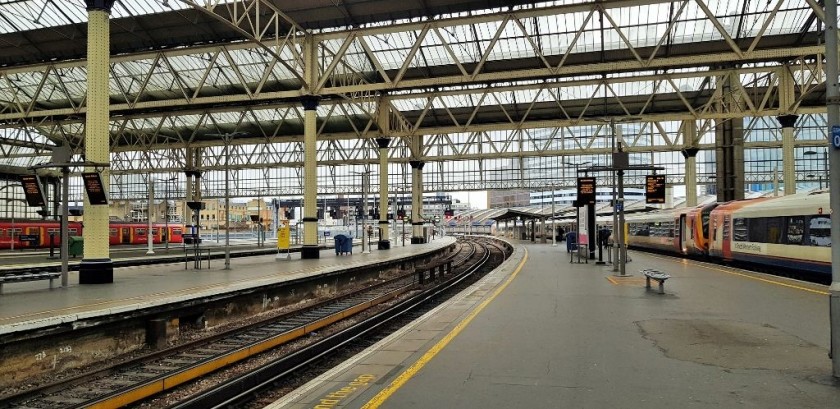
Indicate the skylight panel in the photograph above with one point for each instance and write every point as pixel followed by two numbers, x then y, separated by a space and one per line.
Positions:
pixel 27 15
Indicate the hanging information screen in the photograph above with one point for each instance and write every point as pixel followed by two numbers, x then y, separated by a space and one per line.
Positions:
pixel 32 191
pixel 585 190
pixel 655 189
pixel 95 190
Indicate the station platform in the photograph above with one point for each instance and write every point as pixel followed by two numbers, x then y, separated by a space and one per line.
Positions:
pixel 543 332
pixel 33 305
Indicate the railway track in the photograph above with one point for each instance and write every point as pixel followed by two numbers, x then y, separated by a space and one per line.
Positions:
pixel 143 377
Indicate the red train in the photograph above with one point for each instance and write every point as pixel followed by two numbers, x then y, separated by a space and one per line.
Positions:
pixel 36 233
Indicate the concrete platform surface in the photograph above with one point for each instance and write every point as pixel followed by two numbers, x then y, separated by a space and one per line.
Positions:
pixel 559 335
pixel 33 304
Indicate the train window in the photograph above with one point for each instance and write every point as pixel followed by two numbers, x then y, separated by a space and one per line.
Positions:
pixel 757 230
pixel 72 232
pixel 141 232
pixel 819 231
pixel 176 230
pixel 154 231
pixel 740 230
pixel 774 230
pixel 795 229
pixel 112 232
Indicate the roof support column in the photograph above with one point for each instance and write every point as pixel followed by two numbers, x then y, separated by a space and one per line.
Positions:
pixel 788 159
pixel 729 146
pixel 689 152
pixel 417 202
pixel 96 266
pixel 787 120
pixel 310 248
pixel 384 232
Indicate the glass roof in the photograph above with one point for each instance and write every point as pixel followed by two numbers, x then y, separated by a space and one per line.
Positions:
pixel 535 36
pixel 23 15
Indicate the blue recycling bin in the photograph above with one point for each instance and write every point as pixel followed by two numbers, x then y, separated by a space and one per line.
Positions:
pixel 571 241
pixel 339 243
pixel 347 246
pixel 343 244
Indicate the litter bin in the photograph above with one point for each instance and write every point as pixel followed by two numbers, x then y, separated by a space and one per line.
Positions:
pixel 571 241
pixel 339 243
pixel 75 246
pixel 343 244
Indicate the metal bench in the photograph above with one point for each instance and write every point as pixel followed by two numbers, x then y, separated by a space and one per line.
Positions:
pixel 31 276
pixel 658 276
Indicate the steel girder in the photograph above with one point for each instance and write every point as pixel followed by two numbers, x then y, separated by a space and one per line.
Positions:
pixel 252 87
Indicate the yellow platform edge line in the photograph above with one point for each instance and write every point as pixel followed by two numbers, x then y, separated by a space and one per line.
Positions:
pixel 397 383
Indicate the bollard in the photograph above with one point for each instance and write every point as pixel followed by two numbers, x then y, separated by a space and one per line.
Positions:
pixel 52 245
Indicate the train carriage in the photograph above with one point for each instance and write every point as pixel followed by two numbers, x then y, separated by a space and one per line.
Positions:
pixel 659 230
pixel 36 233
pixel 791 232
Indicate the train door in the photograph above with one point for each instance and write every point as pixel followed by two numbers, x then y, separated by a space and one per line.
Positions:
pixel 683 237
pixel 125 235
pixel 715 238
pixel 35 238
pixel 726 238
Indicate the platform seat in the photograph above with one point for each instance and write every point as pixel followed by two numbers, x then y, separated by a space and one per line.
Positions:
pixel 6 278
pixel 658 276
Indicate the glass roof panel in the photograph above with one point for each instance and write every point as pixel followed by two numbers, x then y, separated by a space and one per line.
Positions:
pixel 23 15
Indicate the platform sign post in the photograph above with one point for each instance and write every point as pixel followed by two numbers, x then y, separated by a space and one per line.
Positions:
pixel 283 239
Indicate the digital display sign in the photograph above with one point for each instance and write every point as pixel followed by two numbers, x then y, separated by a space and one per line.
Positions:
pixel 655 189
pixel 585 190
pixel 32 191
pixel 95 191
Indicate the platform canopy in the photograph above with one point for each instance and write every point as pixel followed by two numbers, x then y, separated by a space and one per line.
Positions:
pixel 493 89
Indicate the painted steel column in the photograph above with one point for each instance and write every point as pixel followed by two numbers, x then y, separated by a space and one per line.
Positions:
pixel 788 158
pixel 384 243
pixel 417 202
pixel 689 152
pixel 729 145
pixel 310 248
pixel 96 266
pixel 832 99
pixel 150 240
pixel 787 120
pixel 188 187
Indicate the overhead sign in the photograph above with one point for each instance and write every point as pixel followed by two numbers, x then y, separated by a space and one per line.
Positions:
pixel 655 189
pixel 586 190
pixel 94 188
pixel 32 191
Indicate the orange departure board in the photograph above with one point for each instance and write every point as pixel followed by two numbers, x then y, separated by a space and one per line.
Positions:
pixel 655 189
pixel 586 190
pixel 32 191
pixel 95 190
